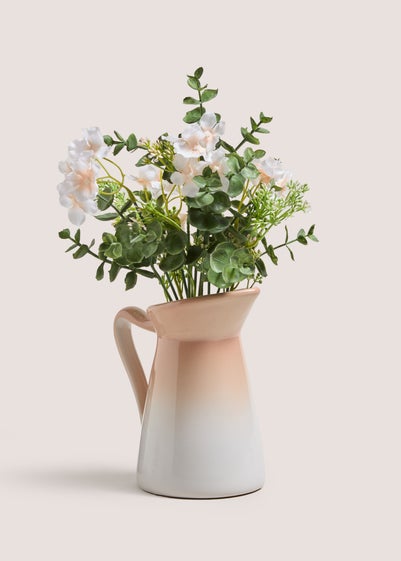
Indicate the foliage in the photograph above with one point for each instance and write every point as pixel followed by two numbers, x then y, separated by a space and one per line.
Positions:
pixel 189 230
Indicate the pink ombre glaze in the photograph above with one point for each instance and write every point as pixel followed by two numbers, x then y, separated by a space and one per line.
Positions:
pixel 199 436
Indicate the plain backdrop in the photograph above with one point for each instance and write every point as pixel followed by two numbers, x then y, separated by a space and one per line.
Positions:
pixel 322 342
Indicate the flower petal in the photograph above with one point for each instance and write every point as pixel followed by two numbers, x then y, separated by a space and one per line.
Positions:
pixel 76 215
pixel 208 121
pixel 177 178
pixel 190 189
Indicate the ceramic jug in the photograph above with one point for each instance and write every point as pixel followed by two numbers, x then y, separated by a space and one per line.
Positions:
pixel 199 436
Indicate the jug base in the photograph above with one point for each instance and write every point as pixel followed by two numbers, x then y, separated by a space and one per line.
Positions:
pixel 204 497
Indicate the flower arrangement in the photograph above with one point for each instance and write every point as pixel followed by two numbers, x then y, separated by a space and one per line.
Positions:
pixel 194 214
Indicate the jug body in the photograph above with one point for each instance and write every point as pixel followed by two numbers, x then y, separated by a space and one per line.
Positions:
pixel 199 436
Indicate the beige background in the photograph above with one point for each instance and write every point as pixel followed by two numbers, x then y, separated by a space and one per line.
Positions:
pixel 322 345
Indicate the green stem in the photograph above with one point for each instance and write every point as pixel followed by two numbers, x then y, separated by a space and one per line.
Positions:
pixel 184 283
pixel 159 278
pixel 244 139
pixel 172 287
pixel 283 244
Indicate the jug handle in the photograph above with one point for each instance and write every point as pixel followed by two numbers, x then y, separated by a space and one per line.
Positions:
pixel 125 345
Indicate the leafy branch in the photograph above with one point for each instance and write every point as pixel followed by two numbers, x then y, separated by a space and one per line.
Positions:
pixel 204 95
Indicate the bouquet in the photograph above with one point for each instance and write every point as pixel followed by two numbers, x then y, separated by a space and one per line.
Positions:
pixel 194 212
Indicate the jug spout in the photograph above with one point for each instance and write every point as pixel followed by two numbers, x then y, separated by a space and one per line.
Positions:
pixel 210 318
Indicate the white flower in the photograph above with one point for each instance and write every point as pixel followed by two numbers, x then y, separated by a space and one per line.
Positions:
pixel 187 169
pixel 190 142
pixel 77 208
pixel 217 162
pixel 147 177
pixel 199 138
pixel 212 130
pixel 271 171
pixel 81 180
pixel 91 145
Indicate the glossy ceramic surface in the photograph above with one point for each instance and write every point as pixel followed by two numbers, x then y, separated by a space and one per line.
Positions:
pixel 199 435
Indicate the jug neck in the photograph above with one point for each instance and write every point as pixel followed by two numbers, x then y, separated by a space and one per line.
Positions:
pixel 206 318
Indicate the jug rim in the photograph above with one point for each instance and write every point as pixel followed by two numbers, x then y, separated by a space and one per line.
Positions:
pixel 242 291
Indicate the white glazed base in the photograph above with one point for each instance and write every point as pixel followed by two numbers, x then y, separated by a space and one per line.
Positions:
pixel 202 497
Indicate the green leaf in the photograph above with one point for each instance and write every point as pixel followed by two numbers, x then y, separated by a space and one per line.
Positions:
pixel 114 251
pixel 221 255
pixel 250 171
pixel 100 272
pixel 291 253
pixel 236 185
pixel 205 199
pixel 193 254
pixel 118 147
pixel 261 267
pixel 254 124
pixel 264 119
pixel 233 163
pixel 193 83
pixel 126 206
pixel 135 253
pixel 302 240
pixel 198 72
pixel 172 262
pixel 252 139
pixel 104 201
pixel 130 280
pixel 248 155
pixel 113 271
pixel 286 234
pixel 249 137
pixel 227 146
pixel 146 273
pixel 190 101
pixel 142 161
pixel 261 130
pixel 108 238
pixel 271 254
pixel 221 202
pixel 132 142
pixel 194 115
pixel 176 242
pixel 150 248
pixel 108 140
pixel 73 246
pixel 155 227
pixel 106 216
pixel 207 221
pixel 81 251
pixel 150 237
pixel 77 236
pixel 200 180
pixel 207 95
pixel 214 182
pixel 258 154
pixel 231 274
pixel 311 234
pixel 216 279
pixel 64 234
pixel 118 135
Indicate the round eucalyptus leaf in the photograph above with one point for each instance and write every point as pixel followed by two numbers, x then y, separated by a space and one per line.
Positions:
pixel 221 202
pixel 175 242
pixel 172 262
